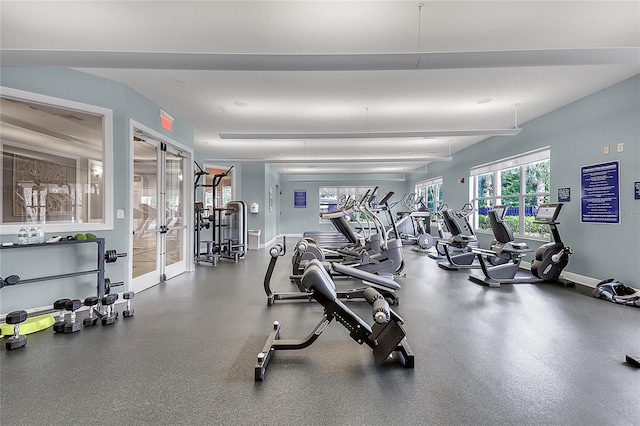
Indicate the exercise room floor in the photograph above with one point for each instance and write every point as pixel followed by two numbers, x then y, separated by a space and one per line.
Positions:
pixel 518 355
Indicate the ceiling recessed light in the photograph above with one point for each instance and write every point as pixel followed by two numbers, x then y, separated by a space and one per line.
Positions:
pixel 240 104
pixel 484 101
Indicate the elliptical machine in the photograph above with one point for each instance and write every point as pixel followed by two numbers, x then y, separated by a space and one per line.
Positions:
pixel 501 264
pixel 383 258
pixel 414 225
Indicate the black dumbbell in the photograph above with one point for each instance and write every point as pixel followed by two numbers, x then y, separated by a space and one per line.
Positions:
pixel 17 340
pixel 108 285
pixel 91 319
pixel 60 305
pixel 128 312
pixel 110 256
pixel 72 306
pixel 10 280
pixel 110 316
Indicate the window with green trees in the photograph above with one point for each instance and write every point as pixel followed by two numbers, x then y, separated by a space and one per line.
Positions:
pixel 334 197
pixel 521 183
pixel 431 191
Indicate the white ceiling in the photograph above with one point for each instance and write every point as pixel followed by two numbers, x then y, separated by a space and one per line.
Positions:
pixel 336 67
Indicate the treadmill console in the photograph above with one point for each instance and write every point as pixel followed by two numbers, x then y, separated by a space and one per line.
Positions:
pixel 500 210
pixel 548 212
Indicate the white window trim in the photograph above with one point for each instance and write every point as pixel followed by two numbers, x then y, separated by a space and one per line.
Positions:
pixel 429 182
pixel 520 160
pixel 438 181
pixel 513 161
pixel 338 188
pixel 107 158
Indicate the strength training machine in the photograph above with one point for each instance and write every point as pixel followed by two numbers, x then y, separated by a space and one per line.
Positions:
pixel 228 225
pixel 386 337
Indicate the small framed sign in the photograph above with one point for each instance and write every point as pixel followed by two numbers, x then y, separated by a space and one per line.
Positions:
pixel 300 198
pixel 564 195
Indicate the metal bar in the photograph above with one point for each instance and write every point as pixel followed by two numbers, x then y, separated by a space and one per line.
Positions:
pixel 53 277
pixel 303 343
pixel 100 278
pixel 407 353
pixel 265 356
pixel 100 270
pixel 59 243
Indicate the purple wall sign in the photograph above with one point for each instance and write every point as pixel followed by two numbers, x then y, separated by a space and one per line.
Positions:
pixel 564 195
pixel 600 193
pixel 300 198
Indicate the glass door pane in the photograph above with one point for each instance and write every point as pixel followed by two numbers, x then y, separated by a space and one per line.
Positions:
pixel 174 208
pixel 145 208
pixel 159 227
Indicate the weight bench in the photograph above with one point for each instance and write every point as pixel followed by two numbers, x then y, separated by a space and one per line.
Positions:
pixel 385 285
pixel 386 337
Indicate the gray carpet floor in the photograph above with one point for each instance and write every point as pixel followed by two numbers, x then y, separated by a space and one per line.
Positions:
pixel 518 355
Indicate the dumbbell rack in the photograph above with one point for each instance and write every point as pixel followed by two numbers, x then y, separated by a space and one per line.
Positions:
pixel 100 271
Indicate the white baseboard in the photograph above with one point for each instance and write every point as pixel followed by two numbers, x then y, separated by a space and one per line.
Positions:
pixel 291 235
pixel 276 239
pixel 570 276
pixel 269 243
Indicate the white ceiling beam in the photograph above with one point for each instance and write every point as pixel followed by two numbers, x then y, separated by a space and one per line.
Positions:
pixel 334 160
pixel 373 135
pixel 319 62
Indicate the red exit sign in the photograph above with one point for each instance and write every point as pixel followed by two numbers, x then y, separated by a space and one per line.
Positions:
pixel 166 121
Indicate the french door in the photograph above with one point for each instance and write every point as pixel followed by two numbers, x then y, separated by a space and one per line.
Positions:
pixel 160 243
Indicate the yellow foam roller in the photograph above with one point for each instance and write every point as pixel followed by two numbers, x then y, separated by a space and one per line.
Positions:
pixel 31 325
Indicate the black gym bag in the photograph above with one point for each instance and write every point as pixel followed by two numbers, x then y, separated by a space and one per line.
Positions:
pixel 616 292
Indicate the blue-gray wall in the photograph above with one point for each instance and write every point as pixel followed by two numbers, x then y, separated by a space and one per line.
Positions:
pixel 126 104
pixel 272 203
pixel 298 220
pixel 577 134
pixel 259 183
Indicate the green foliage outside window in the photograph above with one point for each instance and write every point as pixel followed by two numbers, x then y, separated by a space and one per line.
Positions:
pixel 510 180
pixel 523 188
pixel 537 177
pixel 533 229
